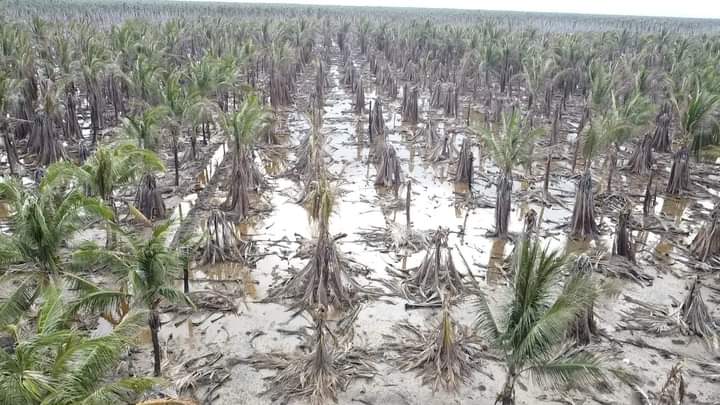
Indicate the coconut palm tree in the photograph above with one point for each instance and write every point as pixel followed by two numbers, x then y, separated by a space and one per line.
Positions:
pixel 508 146
pixel 54 363
pixel 44 141
pixel 111 167
pixel 530 333
pixel 145 127
pixel 92 69
pixel 243 126
pixel 144 78
pixel 8 86
pixel 174 100
pixel 42 220
pixel 148 267
pixel 698 121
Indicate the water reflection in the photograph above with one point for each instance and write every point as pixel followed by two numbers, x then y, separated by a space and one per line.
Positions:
pixel 495 273
pixel 674 207
pixel 577 246
pixel 232 272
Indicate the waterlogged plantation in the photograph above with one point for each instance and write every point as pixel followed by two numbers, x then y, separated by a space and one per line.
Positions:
pixel 245 204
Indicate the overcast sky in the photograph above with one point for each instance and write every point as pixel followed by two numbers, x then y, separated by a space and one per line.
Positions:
pixel 667 8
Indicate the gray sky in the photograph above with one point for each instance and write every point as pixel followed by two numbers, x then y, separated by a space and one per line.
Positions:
pixel 667 8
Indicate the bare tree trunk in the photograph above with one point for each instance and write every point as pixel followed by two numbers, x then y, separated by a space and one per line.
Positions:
pixel 407 205
pixel 503 204
pixel 679 173
pixel 623 244
pixel 583 219
pixel 642 157
pixel 707 242
pixel 464 169
pixel 10 151
pixel 546 182
pixel 649 199
pixel 584 327
pixel 612 164
pixel 176 160
pixel 662 141
pixel 148 198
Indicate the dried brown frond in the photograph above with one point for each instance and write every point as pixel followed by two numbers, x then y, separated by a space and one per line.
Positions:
pixel 328 366
pixel 436 276
pixel 445 356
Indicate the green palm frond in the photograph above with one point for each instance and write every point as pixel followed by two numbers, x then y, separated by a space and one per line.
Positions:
pixel 59 174
pixel 550 329
pixel 19 302
pixel 570 368
pixel 486 323
pixel 511 143
pixel 51 316
pixel 174 296
pixel 539 314
pixel 102 301
pixel 119 391
pixel 9 252
pixel 244 124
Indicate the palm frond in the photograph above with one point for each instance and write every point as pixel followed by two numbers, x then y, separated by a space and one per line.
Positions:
pixel 570 368
pixel 19 302
pixel 485 322
pixel 102 301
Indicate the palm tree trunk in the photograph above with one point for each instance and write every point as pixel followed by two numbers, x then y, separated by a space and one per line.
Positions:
pixel 503 204
pixel 612 159
pixel 507 395
pixel 546 182
pixel 175 157
pixel 154 323
pixel 10 150
pixel 407 205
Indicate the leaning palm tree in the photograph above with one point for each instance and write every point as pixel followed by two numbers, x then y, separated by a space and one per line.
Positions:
pixel 148 267
pixel 531 332
pixel 508 146
pixel 55 363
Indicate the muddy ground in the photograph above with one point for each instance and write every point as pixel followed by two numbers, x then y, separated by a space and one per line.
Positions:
pixel 278 224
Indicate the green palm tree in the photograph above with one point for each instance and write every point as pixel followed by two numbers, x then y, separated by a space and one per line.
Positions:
pixel 531 331
pixel 199 113
pixel 144 77
pixel 244 124
pixel 8 87
pixel 145 127
pixel 508 146
pixel 698 121
pixel 92 69
pixel 175 102
pixel 42 221
pixel 54 363
pixel 110 167
pixel 148 268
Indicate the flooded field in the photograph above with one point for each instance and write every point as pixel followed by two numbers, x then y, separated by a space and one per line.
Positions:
pixel 307 209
